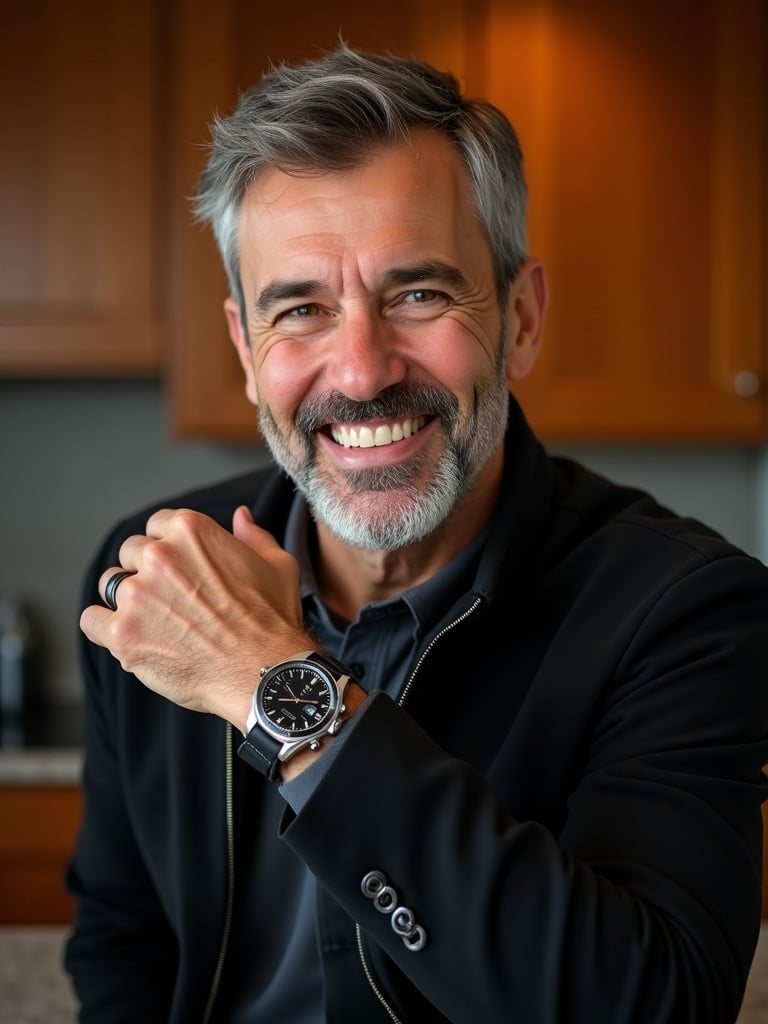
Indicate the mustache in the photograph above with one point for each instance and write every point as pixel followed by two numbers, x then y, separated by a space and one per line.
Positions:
pixel 395 402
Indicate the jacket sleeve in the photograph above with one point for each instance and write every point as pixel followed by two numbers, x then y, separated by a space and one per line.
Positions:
pixel 122 954
pixel 645 907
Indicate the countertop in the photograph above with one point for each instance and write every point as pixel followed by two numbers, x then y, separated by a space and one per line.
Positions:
pixel 33 986
pixel 34 989
pixel 40 766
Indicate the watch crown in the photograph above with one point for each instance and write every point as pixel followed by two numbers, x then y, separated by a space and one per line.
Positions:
pixel 314 745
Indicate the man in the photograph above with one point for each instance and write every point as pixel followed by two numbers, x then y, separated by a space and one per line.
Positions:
pixel 504 763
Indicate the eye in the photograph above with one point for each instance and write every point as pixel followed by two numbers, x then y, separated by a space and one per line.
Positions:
pixel 305 319
pixel 422 295
pixel 420 304
pixel 309 309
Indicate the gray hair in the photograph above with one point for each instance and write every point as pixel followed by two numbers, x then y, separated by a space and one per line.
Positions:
pixel 328 114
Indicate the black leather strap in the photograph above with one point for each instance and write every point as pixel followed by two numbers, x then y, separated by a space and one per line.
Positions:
pixel 260 751
pixel 329 664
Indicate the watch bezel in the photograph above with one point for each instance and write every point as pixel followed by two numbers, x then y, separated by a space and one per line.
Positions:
pixel 265 746
pixel 292 736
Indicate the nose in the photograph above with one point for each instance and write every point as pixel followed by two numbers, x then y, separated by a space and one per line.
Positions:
pixel 365 356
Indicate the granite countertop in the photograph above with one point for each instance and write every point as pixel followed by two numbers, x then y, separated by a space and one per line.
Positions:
pixel 33 986
pixel 34 989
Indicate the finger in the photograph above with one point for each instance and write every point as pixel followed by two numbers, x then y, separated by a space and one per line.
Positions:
pixel 131 551
pixel 111 574
pixel 94 622
pixel 159 522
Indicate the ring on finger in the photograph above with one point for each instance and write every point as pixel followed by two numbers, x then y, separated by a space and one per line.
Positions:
pixel 114 581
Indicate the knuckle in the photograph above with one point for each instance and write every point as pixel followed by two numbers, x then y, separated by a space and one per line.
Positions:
pixel 286 562
pixel 120 635
pixel 155 555
pixel 187 521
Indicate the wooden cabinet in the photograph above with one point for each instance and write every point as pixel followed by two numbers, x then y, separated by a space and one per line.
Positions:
pixel 644 127
pixel 83 101
pixel 218 55
pixel 38 825
pixel 646 133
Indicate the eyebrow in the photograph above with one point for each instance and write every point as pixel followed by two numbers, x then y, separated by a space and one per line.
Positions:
pixel 279 291
pixel 413 273
pixel 427 270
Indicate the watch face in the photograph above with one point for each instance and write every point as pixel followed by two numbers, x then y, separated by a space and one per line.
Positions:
pixel 296 700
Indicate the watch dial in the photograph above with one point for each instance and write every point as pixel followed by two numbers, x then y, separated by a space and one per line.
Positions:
pixel 297 700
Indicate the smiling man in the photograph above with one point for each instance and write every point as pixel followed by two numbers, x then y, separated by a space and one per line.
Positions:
pixel 489 708
pixel 376 347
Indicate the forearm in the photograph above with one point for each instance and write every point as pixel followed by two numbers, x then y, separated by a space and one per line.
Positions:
pixel 517 927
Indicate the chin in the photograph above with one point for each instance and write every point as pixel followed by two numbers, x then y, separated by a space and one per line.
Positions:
pixel 388 519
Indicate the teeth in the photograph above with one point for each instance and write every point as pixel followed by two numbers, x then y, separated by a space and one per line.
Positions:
pixel 384 434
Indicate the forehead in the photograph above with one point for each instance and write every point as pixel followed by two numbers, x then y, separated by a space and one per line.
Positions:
pixel 409 199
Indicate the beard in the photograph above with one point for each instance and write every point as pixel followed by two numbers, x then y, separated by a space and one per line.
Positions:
pixel 390 507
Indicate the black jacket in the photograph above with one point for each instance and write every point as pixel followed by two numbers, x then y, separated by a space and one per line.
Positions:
pixel 568 796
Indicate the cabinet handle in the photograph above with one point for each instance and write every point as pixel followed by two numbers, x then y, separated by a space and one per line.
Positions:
pixel 746 383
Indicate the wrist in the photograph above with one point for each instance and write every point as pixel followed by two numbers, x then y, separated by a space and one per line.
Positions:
pixel 354 696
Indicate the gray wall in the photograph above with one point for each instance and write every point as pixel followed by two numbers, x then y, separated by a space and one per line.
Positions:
pixel 74 456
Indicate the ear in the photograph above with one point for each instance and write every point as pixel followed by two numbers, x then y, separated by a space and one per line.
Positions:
pixel 242 344
pixel 528 298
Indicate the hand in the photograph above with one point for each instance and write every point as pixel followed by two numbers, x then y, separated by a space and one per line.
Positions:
pixel 205 610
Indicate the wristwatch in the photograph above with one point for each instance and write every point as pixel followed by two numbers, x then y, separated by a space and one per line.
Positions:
pixel 295 704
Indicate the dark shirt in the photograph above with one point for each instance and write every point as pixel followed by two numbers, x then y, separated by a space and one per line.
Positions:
pixel 379 648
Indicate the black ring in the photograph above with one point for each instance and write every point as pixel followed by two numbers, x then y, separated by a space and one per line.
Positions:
pixel 114 581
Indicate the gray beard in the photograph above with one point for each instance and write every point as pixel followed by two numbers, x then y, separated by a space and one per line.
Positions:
pixel 415 510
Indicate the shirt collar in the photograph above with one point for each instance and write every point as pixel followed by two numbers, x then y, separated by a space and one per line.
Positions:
pixel 427 602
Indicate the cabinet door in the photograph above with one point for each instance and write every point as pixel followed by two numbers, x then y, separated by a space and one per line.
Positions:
pixel 644 127
pixel 38 825
pixel 220 52
pixel 646 134
pixel 81 104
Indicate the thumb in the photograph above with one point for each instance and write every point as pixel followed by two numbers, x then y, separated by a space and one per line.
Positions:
pixel 249 533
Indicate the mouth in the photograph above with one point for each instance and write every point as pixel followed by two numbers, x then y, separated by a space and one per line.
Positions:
pixel 378 435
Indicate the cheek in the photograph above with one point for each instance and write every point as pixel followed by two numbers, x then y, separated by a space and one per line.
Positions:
pixel 285 378
pixel 458 358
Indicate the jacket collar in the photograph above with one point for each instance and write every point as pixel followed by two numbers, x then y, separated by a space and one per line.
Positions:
pixel 522 510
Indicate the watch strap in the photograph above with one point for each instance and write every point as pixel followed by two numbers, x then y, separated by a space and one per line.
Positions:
pixel 260 751
pixel 329 664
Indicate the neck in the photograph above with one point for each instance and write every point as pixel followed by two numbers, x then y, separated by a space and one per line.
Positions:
pixel 349 577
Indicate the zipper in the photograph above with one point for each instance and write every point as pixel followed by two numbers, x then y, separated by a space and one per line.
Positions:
pixel 230 833
pixel 430 646
pixel 370 978
pixel 367 969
